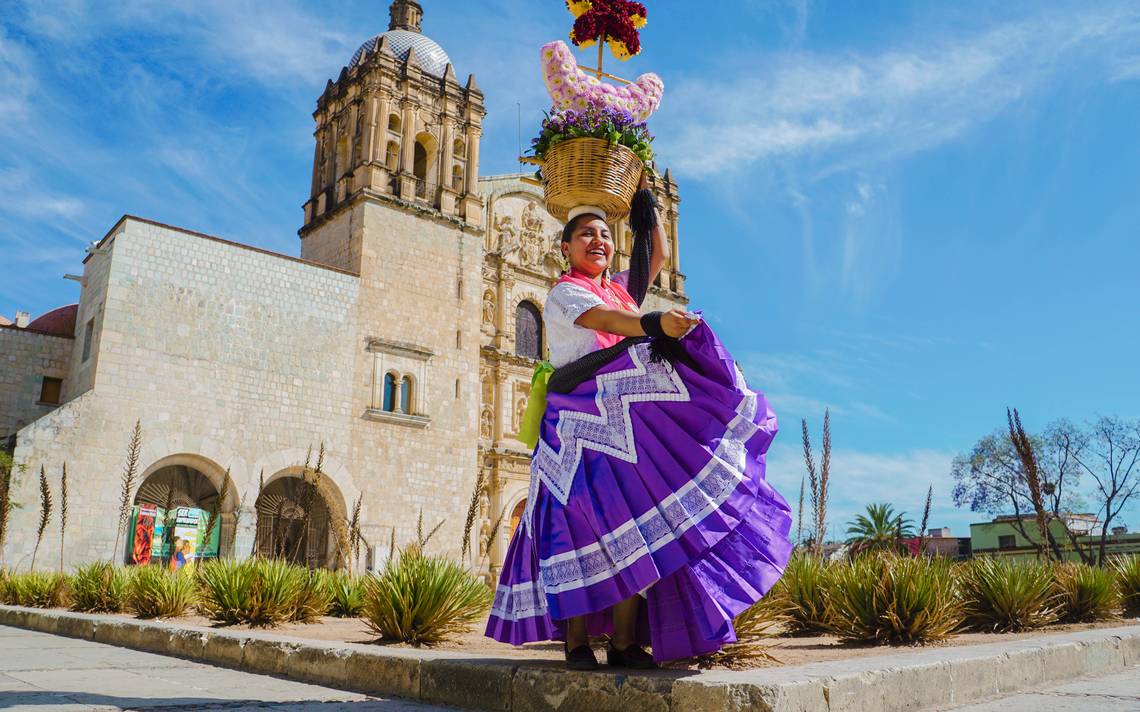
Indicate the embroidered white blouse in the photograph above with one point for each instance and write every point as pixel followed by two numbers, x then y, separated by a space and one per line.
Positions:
pixel 564 304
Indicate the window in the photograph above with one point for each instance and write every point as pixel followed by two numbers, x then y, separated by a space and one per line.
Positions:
pixel 389 392
pixel 88 336
pixel 50 389
pixel 1007 541
pixel 458 148
pixel 394 123
pixel 457 178
pixel 406 391
pixel 528 331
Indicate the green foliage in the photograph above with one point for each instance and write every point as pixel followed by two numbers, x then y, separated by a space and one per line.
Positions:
pixel 314 598
pixel 888 599
pixel 1127 569
pixel 803 593
pixel 99 587
pixel 1085 593
pixel 36 589
pixel 1002 595
pixel 154 592
pixel 347 594
pixel 258 592
pixel 612 125
pixel 881 529
pixel 422 600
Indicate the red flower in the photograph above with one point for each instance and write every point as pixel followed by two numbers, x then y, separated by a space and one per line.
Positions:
pixel 614 20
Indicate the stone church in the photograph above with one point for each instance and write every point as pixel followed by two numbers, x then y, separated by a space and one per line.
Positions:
pixel 402 339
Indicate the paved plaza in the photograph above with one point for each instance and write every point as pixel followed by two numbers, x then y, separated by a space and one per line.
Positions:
pixel 40 672
pixel 1119 692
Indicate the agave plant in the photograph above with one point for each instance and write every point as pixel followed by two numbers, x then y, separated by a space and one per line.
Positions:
pixel 1127 570
pixel 891 599
pixel 802 591
pixel 1002 595
pixel 100 587
pixel 257 592
pixel 1086 593
pixel 347 594
pixel 36 589
pixel 422 600
pixel 154 592
pixel 314 598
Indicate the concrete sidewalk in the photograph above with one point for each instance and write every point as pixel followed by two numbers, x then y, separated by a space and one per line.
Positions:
pixel 40 672
pixel 1119 692
pixel 915 679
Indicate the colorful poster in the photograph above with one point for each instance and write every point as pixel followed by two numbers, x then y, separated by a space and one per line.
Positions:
pixel 185 543
pixel 143 541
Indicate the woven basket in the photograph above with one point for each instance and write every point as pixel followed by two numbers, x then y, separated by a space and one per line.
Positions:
pixel 590 171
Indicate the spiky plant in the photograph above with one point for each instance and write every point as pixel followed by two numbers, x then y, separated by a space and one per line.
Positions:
pixel 127 487
pixel 1023 445
pixel 258 592
pixel 6 468
pixel 1000 595
pixel 154 592
pixel 216 512
pixel 818 482
pixel 800 514
pixel 100 587
pixel 493 532
pixel 1127 569
pixel 45 513
pixel 891 599
pixel 257 552
pixel 62 513
pixel 472 512
pixel 804 591
pixel 925 520
pixel 354 534
pixel 1086 593
pixel 313 599
pixel 347 594
pixel 423 600
pixel 37 589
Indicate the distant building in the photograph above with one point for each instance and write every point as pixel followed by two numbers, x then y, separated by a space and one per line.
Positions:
pixel 940 542
pixel 1001 537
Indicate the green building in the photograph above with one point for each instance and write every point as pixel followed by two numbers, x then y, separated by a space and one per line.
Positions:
pixel 1002 538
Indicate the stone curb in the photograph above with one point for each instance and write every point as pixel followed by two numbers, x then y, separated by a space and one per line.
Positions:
pixel 915 680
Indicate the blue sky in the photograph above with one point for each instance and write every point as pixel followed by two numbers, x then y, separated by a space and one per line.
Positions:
pixel 915 214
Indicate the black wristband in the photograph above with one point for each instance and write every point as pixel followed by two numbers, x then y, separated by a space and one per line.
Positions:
pixel 651 325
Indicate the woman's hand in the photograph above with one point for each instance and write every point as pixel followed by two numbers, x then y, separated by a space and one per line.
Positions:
pixel 677 322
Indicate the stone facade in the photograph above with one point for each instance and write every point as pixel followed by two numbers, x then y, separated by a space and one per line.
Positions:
pixel 403 339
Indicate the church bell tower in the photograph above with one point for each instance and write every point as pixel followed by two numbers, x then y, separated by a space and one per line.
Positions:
pixel 396 126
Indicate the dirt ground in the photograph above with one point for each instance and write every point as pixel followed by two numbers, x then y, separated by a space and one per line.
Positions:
pixel 786 651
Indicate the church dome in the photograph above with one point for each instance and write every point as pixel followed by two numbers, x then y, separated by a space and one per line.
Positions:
pixel 430 56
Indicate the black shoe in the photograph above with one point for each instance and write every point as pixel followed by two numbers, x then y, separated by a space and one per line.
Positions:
pixel 632 657
pixel 580 658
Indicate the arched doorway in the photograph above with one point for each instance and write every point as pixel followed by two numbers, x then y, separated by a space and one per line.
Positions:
pixel 516 517
pixel 170 523
pixel 297 521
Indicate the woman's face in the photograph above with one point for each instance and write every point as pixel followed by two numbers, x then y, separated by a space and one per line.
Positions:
pixel 590 247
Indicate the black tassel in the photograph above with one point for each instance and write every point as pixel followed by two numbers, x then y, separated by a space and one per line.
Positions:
pixel 663 350
pixel 642 220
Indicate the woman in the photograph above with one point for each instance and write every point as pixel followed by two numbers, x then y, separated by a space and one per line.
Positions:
pixel 647 480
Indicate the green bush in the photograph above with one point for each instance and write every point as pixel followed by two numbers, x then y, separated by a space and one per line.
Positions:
pixel 422 600
pixel 1085 593
pixel 99 587
pixel 1001 595
pixel 1127 569
pixel 154 592
pixel 36 589
pixel 347 594
pixel 257 592
pixel 803 592
pixel 313 599
pixel 891 599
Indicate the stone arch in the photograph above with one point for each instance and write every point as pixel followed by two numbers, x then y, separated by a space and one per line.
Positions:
pixel 291 460
pixel 299 523
pixel 425 158
pixel 528 330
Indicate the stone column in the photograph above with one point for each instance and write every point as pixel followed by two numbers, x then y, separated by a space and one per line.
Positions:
pixel 501 308
pixel 409 141
pixel 472 160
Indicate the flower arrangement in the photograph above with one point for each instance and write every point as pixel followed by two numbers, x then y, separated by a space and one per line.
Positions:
pixel 615 22
pixel 617 126
pixel 572 89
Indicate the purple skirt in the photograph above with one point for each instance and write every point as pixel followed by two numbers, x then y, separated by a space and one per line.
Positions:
pixel 648 478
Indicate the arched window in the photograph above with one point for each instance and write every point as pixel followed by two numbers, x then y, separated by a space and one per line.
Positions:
pixel 458 148
pixel 392 156
pixel 420 162
pixel 457 178
pixel 528 331
pixel 394 123
pixel 389 392
pixel 407 389
pixel 358 148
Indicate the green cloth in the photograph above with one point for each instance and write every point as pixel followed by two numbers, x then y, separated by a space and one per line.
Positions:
pixel 535 404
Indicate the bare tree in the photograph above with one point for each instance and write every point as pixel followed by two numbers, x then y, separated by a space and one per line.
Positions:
pixel 127 487
pixel 1110 456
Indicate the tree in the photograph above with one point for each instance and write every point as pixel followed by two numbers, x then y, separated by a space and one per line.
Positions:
pixel 1109 453
pixel 880 528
